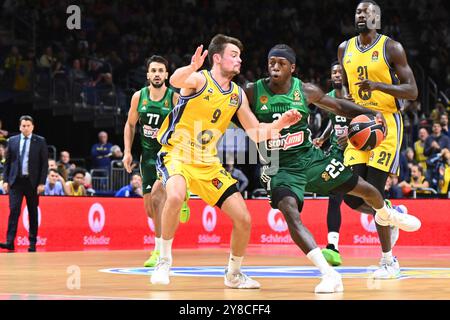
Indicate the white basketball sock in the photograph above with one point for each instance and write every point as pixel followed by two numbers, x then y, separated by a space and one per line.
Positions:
pixel 158 243
pixel 319 261
pixel 383 213
pixel 387 256
pixel 333 238
pixel 166 249
pixel 234 264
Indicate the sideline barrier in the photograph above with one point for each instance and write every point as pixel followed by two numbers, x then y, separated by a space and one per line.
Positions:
pixel 90 223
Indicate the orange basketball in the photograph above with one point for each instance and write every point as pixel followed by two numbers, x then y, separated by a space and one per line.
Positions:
pixel 365 132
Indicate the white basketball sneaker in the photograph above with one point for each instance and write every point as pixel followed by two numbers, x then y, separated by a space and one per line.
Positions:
pixel 331 282
pixel 388 269
pixel 395 231
pixel 161 273
pixel 404 221
pixel 240 281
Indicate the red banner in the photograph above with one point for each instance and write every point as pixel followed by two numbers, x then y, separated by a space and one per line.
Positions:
pixel 88 223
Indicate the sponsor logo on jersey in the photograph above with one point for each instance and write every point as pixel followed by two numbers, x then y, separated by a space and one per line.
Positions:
pixel 144 102
pixel 166 103
pixel 372 154
pixel 204 137
pixel 217 183
pixel 264 108
pixel 285 142
pixel 264 99
pixel 150 132
pixel 340 130
pixel 375 56
pixel 206 98
pixel 210 90
pixel 297 95
pixel 234 100
pixel 325 176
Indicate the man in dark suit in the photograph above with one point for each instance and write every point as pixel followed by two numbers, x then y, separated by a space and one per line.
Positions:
pixel 25 172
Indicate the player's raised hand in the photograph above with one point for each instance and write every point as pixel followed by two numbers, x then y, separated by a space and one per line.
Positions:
pixel 127 159
pixel 290 117
pixel 198 58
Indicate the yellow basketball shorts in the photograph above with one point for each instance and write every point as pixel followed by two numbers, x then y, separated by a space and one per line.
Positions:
pixel 207 180
pixel 385 157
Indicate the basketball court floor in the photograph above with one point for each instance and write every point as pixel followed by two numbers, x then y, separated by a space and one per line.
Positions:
pixel 283 271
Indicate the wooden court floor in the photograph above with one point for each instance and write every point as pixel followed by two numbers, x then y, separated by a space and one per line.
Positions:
pixel 77 275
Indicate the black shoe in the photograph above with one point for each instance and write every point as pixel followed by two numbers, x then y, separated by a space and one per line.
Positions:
pixel 332 247
pixel 32 248
pixel 8 246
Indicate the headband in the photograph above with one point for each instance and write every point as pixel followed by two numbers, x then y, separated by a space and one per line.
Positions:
pixel 283 53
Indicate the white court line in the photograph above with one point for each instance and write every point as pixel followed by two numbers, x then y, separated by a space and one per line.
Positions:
pixel 36 296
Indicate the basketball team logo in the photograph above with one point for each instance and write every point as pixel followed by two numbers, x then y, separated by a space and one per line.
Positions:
pixel 276 221
pixel 96 217
pixel 151 224
pixel 26 221
pixel 234 100
pixel 368 223
pixel 375 56
pixel 263 99
pixel 209 218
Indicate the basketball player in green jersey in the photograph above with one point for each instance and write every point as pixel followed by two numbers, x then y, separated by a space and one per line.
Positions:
pixel 293 165
pixel 336 130
pixel 150 106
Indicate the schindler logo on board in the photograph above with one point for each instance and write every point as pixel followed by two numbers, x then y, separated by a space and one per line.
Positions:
pixel 97 220
pixel 209 221
pixel 277 223
pixel 24 241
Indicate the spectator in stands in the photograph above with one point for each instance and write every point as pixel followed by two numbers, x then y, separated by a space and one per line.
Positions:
pixel 65 165
pixel 417 181
pixel 101 152
pixel 54 185
pixel 439 109
pixel 419 148
pixel 10 64
pixel 444 124
pixel 436 142
pixel 52 164
pixel 77 74
pixel 133 190
pixel 444 173
pixel 76 186
pixel 391 189
pixel 237 174
pixel 406 162
pixel 116 153
pixel 47 60
pixel 3 134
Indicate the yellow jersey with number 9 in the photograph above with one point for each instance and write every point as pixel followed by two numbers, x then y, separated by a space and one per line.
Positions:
pixel 191 131
pixel 370 63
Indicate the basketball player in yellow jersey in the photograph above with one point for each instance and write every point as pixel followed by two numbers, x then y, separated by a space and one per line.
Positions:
pixel 377 76
pixel 208 101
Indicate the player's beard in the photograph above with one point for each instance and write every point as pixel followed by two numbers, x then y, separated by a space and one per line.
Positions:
pixel 363 29
pixel 157 85
pixel 336 85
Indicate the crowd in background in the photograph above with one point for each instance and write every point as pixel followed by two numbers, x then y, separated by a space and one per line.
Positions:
pixel 105 59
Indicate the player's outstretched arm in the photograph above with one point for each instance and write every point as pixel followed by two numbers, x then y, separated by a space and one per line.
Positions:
pixel 187 77
pixel 341 50
pixel 341 107
pixel 258 131
pixel 407 89
pixel 129 130
pixel 325 135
